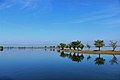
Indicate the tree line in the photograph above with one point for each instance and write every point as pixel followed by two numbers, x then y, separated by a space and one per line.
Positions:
pixel 78 45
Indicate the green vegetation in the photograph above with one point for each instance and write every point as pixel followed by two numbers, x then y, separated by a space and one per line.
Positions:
pixel 75 44
pixel 69 46
pixel 77 47
pixel 81 46
pixel 62 45
pixel 113 45
pixel 88 46
pixel 99 44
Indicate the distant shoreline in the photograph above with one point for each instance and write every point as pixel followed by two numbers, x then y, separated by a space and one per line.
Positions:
pixel 94 52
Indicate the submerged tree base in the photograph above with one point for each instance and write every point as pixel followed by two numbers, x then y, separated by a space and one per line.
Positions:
pixel 93 52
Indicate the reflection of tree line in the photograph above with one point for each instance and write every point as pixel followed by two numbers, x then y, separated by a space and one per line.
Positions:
pixel 1 48
pixel 77 57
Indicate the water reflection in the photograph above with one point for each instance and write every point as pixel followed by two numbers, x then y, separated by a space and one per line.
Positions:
pixel 77 57
pixel 99 60
pixel 5 78
pixel 74 57
pixel 114 60
pixel 88 58
pixel 1 49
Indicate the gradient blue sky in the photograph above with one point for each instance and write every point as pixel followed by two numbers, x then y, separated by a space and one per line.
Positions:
pixel 35 21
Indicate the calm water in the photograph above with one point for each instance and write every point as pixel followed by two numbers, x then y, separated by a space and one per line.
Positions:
pixel 40 64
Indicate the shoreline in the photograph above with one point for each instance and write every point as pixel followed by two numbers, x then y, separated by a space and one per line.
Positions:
pixel 117 52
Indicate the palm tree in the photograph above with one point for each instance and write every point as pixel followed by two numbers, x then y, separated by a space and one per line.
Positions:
pixel 88 46
pixel 62 45
pixel 99 60
pixel 113 45
pixel 99 44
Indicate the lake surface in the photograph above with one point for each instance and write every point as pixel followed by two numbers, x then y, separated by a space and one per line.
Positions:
pixel 41 64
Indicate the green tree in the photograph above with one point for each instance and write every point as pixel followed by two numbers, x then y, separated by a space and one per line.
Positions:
pixel 45 47
pixel 88 46
pixel 81 46
pixel 75 44
pixel 62 45
pixel 99 44
pixel 69 46
pixel 113 45
pixel 58 46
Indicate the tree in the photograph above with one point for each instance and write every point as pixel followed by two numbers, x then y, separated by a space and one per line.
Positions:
pixel 58 46
pixel 113 45
pixel 88 46
pixel 75 44
pixel 99 44
pixel 69 46
pixel 45 47
pixel 62 45
pixel 81 46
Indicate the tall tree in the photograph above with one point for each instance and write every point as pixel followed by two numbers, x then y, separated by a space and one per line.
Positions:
pixel 113 45
pixel 99 44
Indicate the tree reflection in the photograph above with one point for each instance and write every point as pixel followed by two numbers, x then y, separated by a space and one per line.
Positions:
pixel 77 57
pixel 99 60
pixel 88 58
pixel 114 60
pixel 74 57
pixel 63 54
pixel 58 51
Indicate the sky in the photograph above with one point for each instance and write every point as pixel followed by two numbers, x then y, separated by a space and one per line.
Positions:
pixel 54 21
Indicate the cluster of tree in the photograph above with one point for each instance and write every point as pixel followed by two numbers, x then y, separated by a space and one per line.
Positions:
pixel 74 45
pixel 49 47
pixel 78 45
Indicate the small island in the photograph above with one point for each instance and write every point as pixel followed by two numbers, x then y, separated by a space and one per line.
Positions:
pixel 77 47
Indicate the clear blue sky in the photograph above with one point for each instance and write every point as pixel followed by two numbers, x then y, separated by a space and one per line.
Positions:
pixel 34 21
